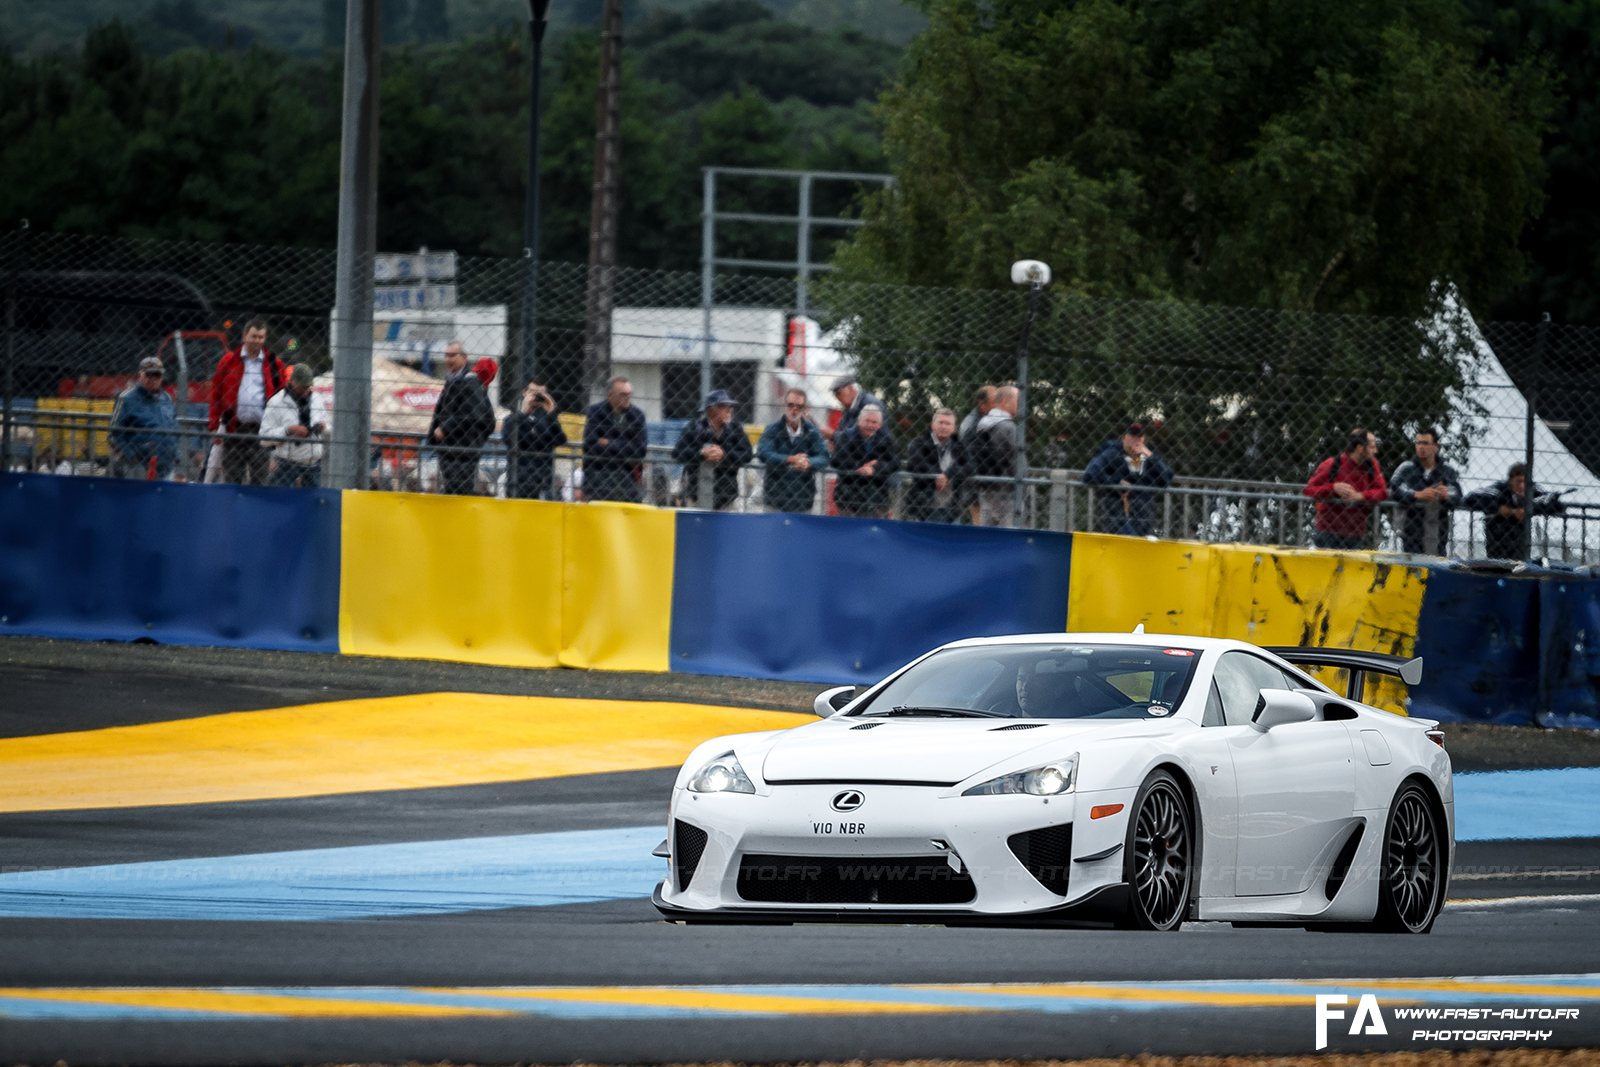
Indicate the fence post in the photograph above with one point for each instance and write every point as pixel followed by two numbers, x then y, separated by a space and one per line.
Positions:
pixel 819 499
pixel 1058 500
pixel 11 344
pixel 706 496
pixel 1533 399
pixel 182 405
pixel 1430 530
pixel 897 500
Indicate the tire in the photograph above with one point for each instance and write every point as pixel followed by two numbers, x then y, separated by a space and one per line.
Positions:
pixel 1411 884
pixel 1160 852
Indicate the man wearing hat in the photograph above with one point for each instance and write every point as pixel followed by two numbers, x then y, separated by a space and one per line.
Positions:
pixel 294 425
pixel 852 398
pixel 1126 464
pixel 144 426
pixel 718 440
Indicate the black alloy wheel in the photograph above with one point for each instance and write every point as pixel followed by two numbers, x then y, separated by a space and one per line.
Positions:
pixel 1411 886
pixel 1159 868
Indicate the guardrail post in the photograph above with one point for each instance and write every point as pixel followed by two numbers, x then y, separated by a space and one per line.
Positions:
pixel 1058 500
pixel 706 498
pixel 1430 529
pixel 897 500
pixel 819 499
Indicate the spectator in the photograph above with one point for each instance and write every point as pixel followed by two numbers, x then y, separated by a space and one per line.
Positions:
pixel 982 404
pixel 144 426
pixel 939 453
pixel 1345 487
pixel 853 400
pixel 1128 462
pixel 1422 481
pixel 615 440
pixel 463 419
pixel 716 439
pixel 793 451
pixel 1506 505
pixel 994 453
pixel 246 379
pixel 865 457
pixel 299 414
pixel 535 431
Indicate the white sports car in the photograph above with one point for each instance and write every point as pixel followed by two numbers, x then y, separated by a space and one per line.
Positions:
pixel 1132 779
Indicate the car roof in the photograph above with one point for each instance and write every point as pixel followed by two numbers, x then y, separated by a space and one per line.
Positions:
pixel 1101 638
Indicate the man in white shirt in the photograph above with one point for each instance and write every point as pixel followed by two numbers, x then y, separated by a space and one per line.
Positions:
pixel 293 426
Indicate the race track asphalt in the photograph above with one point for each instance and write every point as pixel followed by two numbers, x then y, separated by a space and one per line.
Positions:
pixel 266 920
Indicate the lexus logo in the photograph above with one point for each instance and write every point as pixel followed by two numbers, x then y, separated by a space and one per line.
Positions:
pixel 849 800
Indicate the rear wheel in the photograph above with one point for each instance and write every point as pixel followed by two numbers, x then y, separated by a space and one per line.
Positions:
pixel 1411 885
pixel 1159 867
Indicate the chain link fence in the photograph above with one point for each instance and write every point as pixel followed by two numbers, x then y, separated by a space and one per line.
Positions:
pixel 1240 405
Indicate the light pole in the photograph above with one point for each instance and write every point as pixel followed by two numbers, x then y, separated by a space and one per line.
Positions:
pixel 537 9
pixel 1035 275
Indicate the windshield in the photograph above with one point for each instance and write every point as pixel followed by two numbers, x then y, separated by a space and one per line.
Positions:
pixel 1056 681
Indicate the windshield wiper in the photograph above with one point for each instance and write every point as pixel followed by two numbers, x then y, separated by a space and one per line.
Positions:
pixel 946 713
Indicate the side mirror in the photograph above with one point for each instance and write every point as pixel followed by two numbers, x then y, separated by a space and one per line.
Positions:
pixel 1278 706
pixel 831 700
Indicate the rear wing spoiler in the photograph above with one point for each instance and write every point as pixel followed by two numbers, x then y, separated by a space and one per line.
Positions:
pixel 1359 664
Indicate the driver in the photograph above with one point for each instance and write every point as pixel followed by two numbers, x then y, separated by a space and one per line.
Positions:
pixel 1040 691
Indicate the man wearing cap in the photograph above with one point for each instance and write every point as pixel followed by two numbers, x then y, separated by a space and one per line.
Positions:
pixel 1127 465
pixel 718 440
pixel 462 421
pixel 852 400
pixel 793 451
pixel 144 426
pixel 246 379
pixel 293 427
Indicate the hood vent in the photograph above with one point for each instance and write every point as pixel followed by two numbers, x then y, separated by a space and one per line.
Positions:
pixel 866 726
pixel 1017 726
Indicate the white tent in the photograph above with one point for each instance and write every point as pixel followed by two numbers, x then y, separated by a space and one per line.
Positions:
pixel 403 398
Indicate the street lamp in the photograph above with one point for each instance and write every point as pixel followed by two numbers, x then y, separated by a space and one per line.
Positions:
pixel 1035 275
pixel 537 10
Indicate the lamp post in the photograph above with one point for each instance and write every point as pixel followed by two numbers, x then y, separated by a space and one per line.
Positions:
pixel 537 10
pixel 1035 275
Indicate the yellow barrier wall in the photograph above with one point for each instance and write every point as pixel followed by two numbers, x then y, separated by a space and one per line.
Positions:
pixel 1266 596
pixel 514 583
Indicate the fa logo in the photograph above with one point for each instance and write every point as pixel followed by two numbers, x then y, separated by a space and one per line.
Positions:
pixel 1366 1012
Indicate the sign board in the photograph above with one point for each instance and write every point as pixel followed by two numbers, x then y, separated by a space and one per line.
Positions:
pixel 413 297
pixel 392 267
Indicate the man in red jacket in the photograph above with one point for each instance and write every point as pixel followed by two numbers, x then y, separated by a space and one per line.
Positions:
pixel 1345 488
pixel 246 379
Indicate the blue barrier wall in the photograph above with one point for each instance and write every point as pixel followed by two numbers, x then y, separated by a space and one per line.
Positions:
pixel 101 558
pixel 807 598
pixel 1478 638
pixel 1569 651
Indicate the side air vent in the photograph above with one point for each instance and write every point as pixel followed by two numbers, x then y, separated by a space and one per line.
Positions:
pixel 1341 864
pixel 1332 712
pixel 1047 854
pixel 867 726
pixel 691 845
pixel 1017 726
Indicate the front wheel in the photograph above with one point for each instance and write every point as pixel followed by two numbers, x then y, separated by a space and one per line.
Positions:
pixel 1159 867
pixel 1411 885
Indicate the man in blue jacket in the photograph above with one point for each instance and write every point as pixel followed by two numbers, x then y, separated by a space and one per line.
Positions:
pixel 1126 465
pixel 793 451
pixel 144 426
pixel 615 441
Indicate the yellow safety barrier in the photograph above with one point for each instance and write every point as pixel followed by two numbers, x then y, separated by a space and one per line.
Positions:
pixel 515 583
pixel 1268 596
pixel 77 427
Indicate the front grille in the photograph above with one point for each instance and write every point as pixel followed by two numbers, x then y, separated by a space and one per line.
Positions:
pixel 853 880
pixel 1047 854
pixel 690 846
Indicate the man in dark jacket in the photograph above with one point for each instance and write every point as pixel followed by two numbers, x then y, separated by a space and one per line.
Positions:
pixel 615 441
pixel 1422 482
pixel 144 426
pixel 534 431
pixel 715 439
pixel 941 460
pixel 1345 487
pixel 1127 465
pixel 462 422
pixel 1506 506
pixel 865 457
pixel 793 451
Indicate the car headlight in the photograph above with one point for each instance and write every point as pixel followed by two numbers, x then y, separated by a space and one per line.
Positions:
pixel 1052 779
pixel 722 775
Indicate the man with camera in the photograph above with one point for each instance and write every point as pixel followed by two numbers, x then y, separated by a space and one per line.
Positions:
pixel 532 434
pixel 292 427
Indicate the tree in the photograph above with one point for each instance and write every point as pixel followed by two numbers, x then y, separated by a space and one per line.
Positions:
pixel 1310 155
